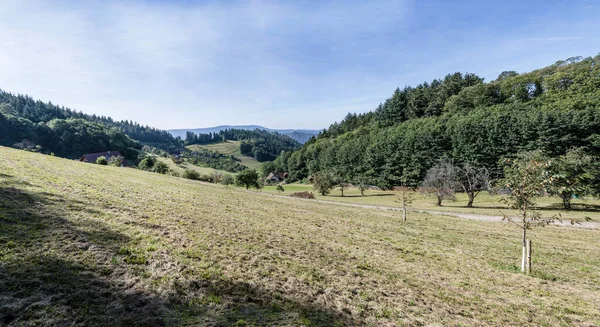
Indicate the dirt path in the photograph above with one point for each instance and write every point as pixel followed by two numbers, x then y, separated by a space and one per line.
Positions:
pixel 587 225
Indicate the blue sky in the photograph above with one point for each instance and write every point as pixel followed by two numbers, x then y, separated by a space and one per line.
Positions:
pixel 280 64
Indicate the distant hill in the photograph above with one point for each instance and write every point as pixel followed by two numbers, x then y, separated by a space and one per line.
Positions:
pixel 300 135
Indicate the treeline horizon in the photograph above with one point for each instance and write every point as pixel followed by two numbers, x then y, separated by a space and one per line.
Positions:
pixel 462 118
pixel 262 145
pixel 45 127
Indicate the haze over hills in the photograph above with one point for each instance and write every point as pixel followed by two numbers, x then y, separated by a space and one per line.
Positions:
pixel 300 135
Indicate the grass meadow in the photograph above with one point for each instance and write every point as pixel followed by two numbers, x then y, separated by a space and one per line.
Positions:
pixel 83 244
pixel 485 203
pixel 228 148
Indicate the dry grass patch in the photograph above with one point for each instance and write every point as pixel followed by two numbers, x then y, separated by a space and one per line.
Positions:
pixel 82 244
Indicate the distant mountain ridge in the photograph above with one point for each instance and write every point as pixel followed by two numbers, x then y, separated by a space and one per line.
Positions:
pixel 300 135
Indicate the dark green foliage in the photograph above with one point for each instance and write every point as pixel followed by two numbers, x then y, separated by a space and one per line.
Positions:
pixel 227 180
pixel 160 167
pixel 212 159
pixel 279 188
pixel 259 144
pixel 248 178
pixel 69 138
pixel 323 182
pixel 28 146
pixel 147 163
pixel 116 161
pixel 246 148
pixel 21 115
pixel 102 161
pixel 191 174
pixel 571 175
pixel 266 168
pixel 460 117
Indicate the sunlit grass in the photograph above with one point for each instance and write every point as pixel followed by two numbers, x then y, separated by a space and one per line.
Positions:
pixel 228 148
pixel 485 203
pixel 82 244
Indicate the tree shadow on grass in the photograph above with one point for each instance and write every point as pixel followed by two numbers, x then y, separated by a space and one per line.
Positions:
pixel 58 272
pixel 575 207
pixel 49 273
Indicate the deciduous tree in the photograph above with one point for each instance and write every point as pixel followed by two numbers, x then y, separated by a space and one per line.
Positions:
pixel 472 180
pixel 439 180
pixel 323 183
pixel 248 178
pixel 570 175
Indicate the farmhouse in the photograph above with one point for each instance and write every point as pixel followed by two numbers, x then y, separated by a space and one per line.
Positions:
pixel 91 157
pixel 277 177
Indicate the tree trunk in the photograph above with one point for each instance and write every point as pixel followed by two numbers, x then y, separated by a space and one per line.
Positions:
pixel 566 199
pixel 439 201
pixel 524 255
pixel 404 212
pixel 471 198
pixel 524 240
pixel 528 263
pixel 342 191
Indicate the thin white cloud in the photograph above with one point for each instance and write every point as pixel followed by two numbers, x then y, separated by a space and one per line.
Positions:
pixel 179 65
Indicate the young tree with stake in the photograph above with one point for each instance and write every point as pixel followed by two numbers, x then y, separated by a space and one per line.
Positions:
pixel 526 177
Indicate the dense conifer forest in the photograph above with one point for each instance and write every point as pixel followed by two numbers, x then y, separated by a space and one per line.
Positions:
pixel 461 118
pixel 70 133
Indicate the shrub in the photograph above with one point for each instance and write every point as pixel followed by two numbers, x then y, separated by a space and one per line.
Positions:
pixel 116 161
pixel 227 180
pixel 191 174
pixel 177 160
pixel 147 163
pixel 160 167
pixel 206 178
pixel 102 161
pixel 279 189
pixel 216 177
pixel 28 146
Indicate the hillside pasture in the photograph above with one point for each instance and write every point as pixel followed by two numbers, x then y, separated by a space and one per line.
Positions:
pixel 83 244
pixel 228 148
pixel 485 203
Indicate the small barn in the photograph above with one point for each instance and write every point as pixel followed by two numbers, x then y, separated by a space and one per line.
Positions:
pixel 277 177
pixel 91 157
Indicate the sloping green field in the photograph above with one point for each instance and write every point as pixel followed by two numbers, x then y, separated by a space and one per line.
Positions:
pixel 186 165
pixel 82 244
pixel 228 148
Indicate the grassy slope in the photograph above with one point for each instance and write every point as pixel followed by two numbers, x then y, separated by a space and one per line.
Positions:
pixel 228 148
pixel 186 165
pixel 484 203
pixel 87 244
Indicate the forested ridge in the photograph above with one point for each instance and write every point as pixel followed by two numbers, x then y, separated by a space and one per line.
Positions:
pixel 259 144
pixel 462 118
pixel 49 128
pixel 70 133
